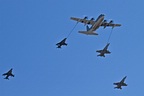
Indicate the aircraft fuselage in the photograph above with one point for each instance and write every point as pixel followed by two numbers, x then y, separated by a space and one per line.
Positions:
pixel 97 23
pixel 95 26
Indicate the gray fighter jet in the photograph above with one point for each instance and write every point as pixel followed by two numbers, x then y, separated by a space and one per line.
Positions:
pixel 9 73
pixel 121 83
pixel 61 43
pixel 104 51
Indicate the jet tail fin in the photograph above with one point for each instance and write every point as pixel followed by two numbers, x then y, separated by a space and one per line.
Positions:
pixel 6 78
pixel 102 55
pixel 58 46
pixel 117 87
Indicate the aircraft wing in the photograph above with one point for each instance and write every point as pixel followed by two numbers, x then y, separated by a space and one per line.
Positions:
pixel 4 74
pixel 108 52
pixel 123 79
pixel 106 47
pixel 85 21
pixel 116 83
pixel 105 24
pixel 99 51
pixel 58 44
pixel 124 84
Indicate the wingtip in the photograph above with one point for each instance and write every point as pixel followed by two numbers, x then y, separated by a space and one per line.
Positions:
pixel 71 18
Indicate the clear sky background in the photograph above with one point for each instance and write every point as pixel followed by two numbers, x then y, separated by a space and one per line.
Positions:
pixel 29 30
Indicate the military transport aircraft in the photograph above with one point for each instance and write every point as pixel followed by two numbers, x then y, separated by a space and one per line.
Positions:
pixel 104 51
pixel 95 24
pixel 121 83
pixel 61 43
pixel 9 73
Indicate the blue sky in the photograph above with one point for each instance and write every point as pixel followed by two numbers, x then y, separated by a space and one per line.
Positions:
pixel 29 30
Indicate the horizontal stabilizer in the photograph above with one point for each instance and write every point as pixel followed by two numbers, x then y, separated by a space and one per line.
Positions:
pixel 88 32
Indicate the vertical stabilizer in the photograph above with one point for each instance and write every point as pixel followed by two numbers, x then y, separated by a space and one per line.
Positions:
pixel 87 28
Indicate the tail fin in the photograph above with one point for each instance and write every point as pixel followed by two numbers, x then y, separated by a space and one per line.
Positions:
pixel 117 88
pixel 87 28
pixel 6 78
pixel 58 46
pixel 102 55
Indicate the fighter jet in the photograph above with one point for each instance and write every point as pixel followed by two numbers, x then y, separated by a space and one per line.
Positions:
pixel 9 73
pixel 121 83
pixel 104 51
pixel 61 43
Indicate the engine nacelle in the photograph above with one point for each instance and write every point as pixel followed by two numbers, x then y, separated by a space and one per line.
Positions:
pixel 88 22
pixel 92 19
pixel 85 17
pixel 111 22
pixel 105 21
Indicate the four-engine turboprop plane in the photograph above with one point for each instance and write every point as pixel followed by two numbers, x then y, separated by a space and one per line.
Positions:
pixel 121 83
pixel 104 51
pixel 95 24
pixel 9 73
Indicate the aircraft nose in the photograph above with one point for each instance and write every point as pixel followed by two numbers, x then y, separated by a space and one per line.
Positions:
pixel 102 15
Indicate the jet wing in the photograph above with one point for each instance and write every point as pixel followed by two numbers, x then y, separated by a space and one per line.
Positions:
pixel 99 51
pixel 83 20
pixel 106 47
pixel 124 84
pixel 4 74
pixel 58 44
pixel 116 83
pixel 123 79
pixel 108 52
pixel 105 24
